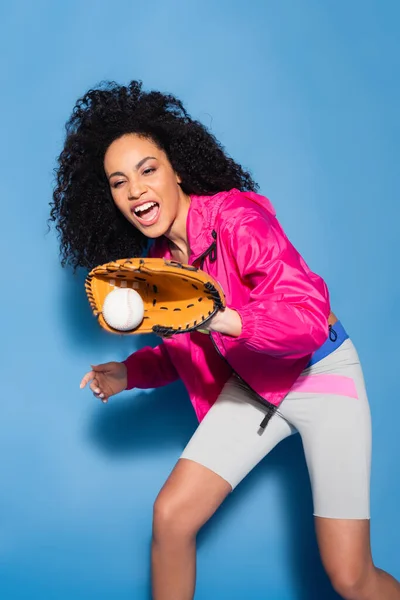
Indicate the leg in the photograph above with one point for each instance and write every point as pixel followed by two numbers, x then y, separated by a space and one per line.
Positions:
pixel 224 448
pixel 346 555
pixel 188 499
pixel 335 427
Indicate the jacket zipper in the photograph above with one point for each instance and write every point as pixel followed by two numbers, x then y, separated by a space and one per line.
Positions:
pixel 272 409
pixel 211 252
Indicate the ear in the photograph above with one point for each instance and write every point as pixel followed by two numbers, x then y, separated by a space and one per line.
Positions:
pixel 178 179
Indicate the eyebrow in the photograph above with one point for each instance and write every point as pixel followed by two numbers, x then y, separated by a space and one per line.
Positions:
pixel 140 163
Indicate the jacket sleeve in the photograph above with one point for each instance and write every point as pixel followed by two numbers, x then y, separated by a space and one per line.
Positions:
pixel 150 367
pixel 288 307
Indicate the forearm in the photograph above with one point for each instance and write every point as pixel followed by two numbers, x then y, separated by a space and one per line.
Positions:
pixel 276 329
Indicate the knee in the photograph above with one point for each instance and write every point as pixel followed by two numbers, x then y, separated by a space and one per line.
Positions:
pixel 172 518
pixel 351 581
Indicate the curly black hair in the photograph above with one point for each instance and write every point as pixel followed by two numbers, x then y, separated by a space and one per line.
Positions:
pixel 90 228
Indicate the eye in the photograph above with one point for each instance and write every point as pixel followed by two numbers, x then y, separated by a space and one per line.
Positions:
pixel 117 184
pixel 149 171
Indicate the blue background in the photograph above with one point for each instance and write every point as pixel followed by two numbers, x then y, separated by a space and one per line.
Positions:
pixel 305 94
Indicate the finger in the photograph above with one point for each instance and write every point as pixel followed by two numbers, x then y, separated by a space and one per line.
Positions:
pixel 88 377
pixel 100 368
pixel 101 396
pixel 95 387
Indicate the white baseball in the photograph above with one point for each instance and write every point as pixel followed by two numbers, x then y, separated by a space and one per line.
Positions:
pixel 123 309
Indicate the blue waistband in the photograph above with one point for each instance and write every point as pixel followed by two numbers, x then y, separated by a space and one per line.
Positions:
pixel 337 335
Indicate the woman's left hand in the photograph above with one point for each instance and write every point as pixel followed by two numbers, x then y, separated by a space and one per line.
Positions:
pixel 226 321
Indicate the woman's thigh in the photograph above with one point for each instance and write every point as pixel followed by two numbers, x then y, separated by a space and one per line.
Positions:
pixel 345 550
pixel 189 497
pixel 329 407
pixel 343 542
pixel 228 441
pixel 224 448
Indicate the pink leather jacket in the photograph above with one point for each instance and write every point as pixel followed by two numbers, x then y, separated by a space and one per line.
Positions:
pixel 235 237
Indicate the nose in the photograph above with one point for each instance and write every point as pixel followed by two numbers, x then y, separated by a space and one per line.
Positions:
pixel 135 190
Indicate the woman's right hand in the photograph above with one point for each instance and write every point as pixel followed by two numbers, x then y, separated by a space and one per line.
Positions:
pixel 106 380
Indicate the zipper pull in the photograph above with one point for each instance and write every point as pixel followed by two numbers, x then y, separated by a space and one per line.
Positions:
pixel 266 419
pixel 213 247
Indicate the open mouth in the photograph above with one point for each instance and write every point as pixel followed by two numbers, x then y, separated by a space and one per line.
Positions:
pixel 147 213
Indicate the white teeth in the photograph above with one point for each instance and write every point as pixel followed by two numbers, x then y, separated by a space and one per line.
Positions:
pixel 145 206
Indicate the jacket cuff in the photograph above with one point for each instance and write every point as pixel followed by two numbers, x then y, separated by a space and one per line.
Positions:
pixel 249 325
pixel 129 374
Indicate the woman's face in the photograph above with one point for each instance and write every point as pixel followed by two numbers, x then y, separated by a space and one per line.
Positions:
pixel 143 184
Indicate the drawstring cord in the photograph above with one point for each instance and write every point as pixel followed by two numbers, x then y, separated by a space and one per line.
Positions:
pixel 332 334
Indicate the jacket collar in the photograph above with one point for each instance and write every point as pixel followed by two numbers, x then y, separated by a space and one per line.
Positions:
pixel 202 217
pixel 200 224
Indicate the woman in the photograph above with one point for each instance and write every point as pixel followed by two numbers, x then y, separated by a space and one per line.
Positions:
pixel 136 169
